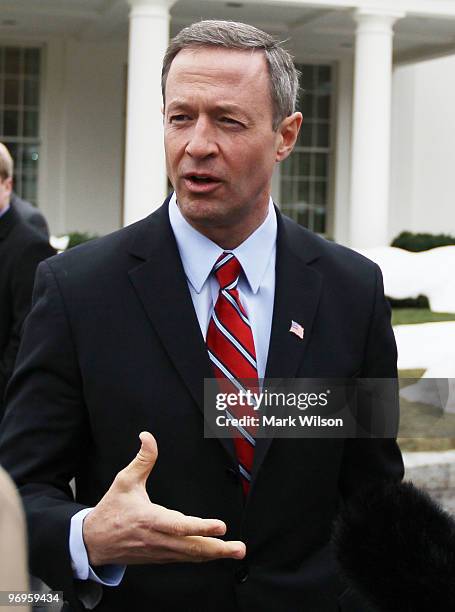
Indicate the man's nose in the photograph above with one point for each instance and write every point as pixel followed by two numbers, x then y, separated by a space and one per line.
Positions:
pixel 202 142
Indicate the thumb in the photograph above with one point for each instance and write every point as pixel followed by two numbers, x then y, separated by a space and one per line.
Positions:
pixel 139 469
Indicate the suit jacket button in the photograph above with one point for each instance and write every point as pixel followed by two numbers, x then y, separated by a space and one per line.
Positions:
pixel 241 575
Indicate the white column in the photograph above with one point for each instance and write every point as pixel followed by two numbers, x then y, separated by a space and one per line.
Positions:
pixel 342 171
pixel 371 127
pixel 145 169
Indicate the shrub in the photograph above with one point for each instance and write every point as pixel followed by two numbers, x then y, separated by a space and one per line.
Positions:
pixel 77 238
pixel 421 242
pixel 421 301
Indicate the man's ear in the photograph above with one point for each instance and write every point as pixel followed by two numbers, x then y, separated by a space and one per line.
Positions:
pixel 288 132
pixel 8 183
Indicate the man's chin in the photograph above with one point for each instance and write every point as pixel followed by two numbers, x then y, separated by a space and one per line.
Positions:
pixel 205 212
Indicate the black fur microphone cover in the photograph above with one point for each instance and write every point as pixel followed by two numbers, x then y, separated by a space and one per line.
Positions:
pixel 396 548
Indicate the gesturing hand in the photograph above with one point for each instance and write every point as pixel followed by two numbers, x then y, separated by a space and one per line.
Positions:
pixel 125 527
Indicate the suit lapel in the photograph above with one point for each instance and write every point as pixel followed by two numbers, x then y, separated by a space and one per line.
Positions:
pixel 297 292
pixel 160 284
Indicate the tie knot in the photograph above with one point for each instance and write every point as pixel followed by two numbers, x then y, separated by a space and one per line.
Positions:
pixel 227 270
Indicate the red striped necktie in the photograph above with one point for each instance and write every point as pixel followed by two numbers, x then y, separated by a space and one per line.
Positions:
pixel 231 350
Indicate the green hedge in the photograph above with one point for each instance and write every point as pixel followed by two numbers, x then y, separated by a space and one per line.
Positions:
pixel 422 242
pixel 420 301
pixel 77 238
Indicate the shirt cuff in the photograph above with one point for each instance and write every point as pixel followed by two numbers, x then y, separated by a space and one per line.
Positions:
pixel 109 575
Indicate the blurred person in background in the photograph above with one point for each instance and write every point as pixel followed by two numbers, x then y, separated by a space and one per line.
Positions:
pixel 26 210
pixel 21 249
pixel 13 550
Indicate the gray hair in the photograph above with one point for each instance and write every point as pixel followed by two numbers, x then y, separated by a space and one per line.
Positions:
pixel 284 77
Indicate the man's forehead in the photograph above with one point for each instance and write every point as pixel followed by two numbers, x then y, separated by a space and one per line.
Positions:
pixel 218 61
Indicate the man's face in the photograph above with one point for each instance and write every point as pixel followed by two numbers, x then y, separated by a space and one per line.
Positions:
pixel 220 145
pixel 6 186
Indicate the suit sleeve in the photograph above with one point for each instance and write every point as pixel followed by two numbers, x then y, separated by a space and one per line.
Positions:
pixel 370 460
pixel 45 433
pixel 21 295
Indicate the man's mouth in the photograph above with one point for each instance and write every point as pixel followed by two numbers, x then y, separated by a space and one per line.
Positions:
pixel 201 183
pixel 202 178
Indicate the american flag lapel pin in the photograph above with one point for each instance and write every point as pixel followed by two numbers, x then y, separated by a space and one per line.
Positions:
pixel 297 329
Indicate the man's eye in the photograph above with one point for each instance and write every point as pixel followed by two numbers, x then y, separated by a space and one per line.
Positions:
pixel 230 121
pixel 178 118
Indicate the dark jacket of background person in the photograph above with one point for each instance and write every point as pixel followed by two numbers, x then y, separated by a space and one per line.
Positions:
pixel 30 214
pixel 113 347
pixel 21 250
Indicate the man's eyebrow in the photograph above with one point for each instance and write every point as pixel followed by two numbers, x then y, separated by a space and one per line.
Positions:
pixel 178 103
pixel 230 108
pixel 222 107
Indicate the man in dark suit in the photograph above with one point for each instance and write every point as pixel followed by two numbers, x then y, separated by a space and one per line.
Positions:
pixel 30 214
pixel 21 250
pixel 26 210
pixel 117 345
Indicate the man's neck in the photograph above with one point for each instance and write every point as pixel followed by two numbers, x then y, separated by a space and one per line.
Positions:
pixel 4 208
pixel 231 236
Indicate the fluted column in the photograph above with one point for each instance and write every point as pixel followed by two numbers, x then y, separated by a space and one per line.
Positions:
pixel 371 127
pixel 145 169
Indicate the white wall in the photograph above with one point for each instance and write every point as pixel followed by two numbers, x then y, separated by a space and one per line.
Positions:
pixel 83 136
pixel 423 160
pixel 402 173
pixel 51 183
pixel 435 144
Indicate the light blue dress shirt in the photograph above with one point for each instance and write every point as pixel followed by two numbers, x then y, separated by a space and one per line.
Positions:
pixel 256 287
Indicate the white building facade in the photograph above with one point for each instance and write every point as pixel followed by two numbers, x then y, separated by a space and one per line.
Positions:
pixel 80 107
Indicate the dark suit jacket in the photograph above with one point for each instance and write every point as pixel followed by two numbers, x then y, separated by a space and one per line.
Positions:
pixel 21 250
pixel 30 214
pixel 113 347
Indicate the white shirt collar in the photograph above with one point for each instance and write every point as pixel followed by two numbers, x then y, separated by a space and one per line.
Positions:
pixel 199 254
